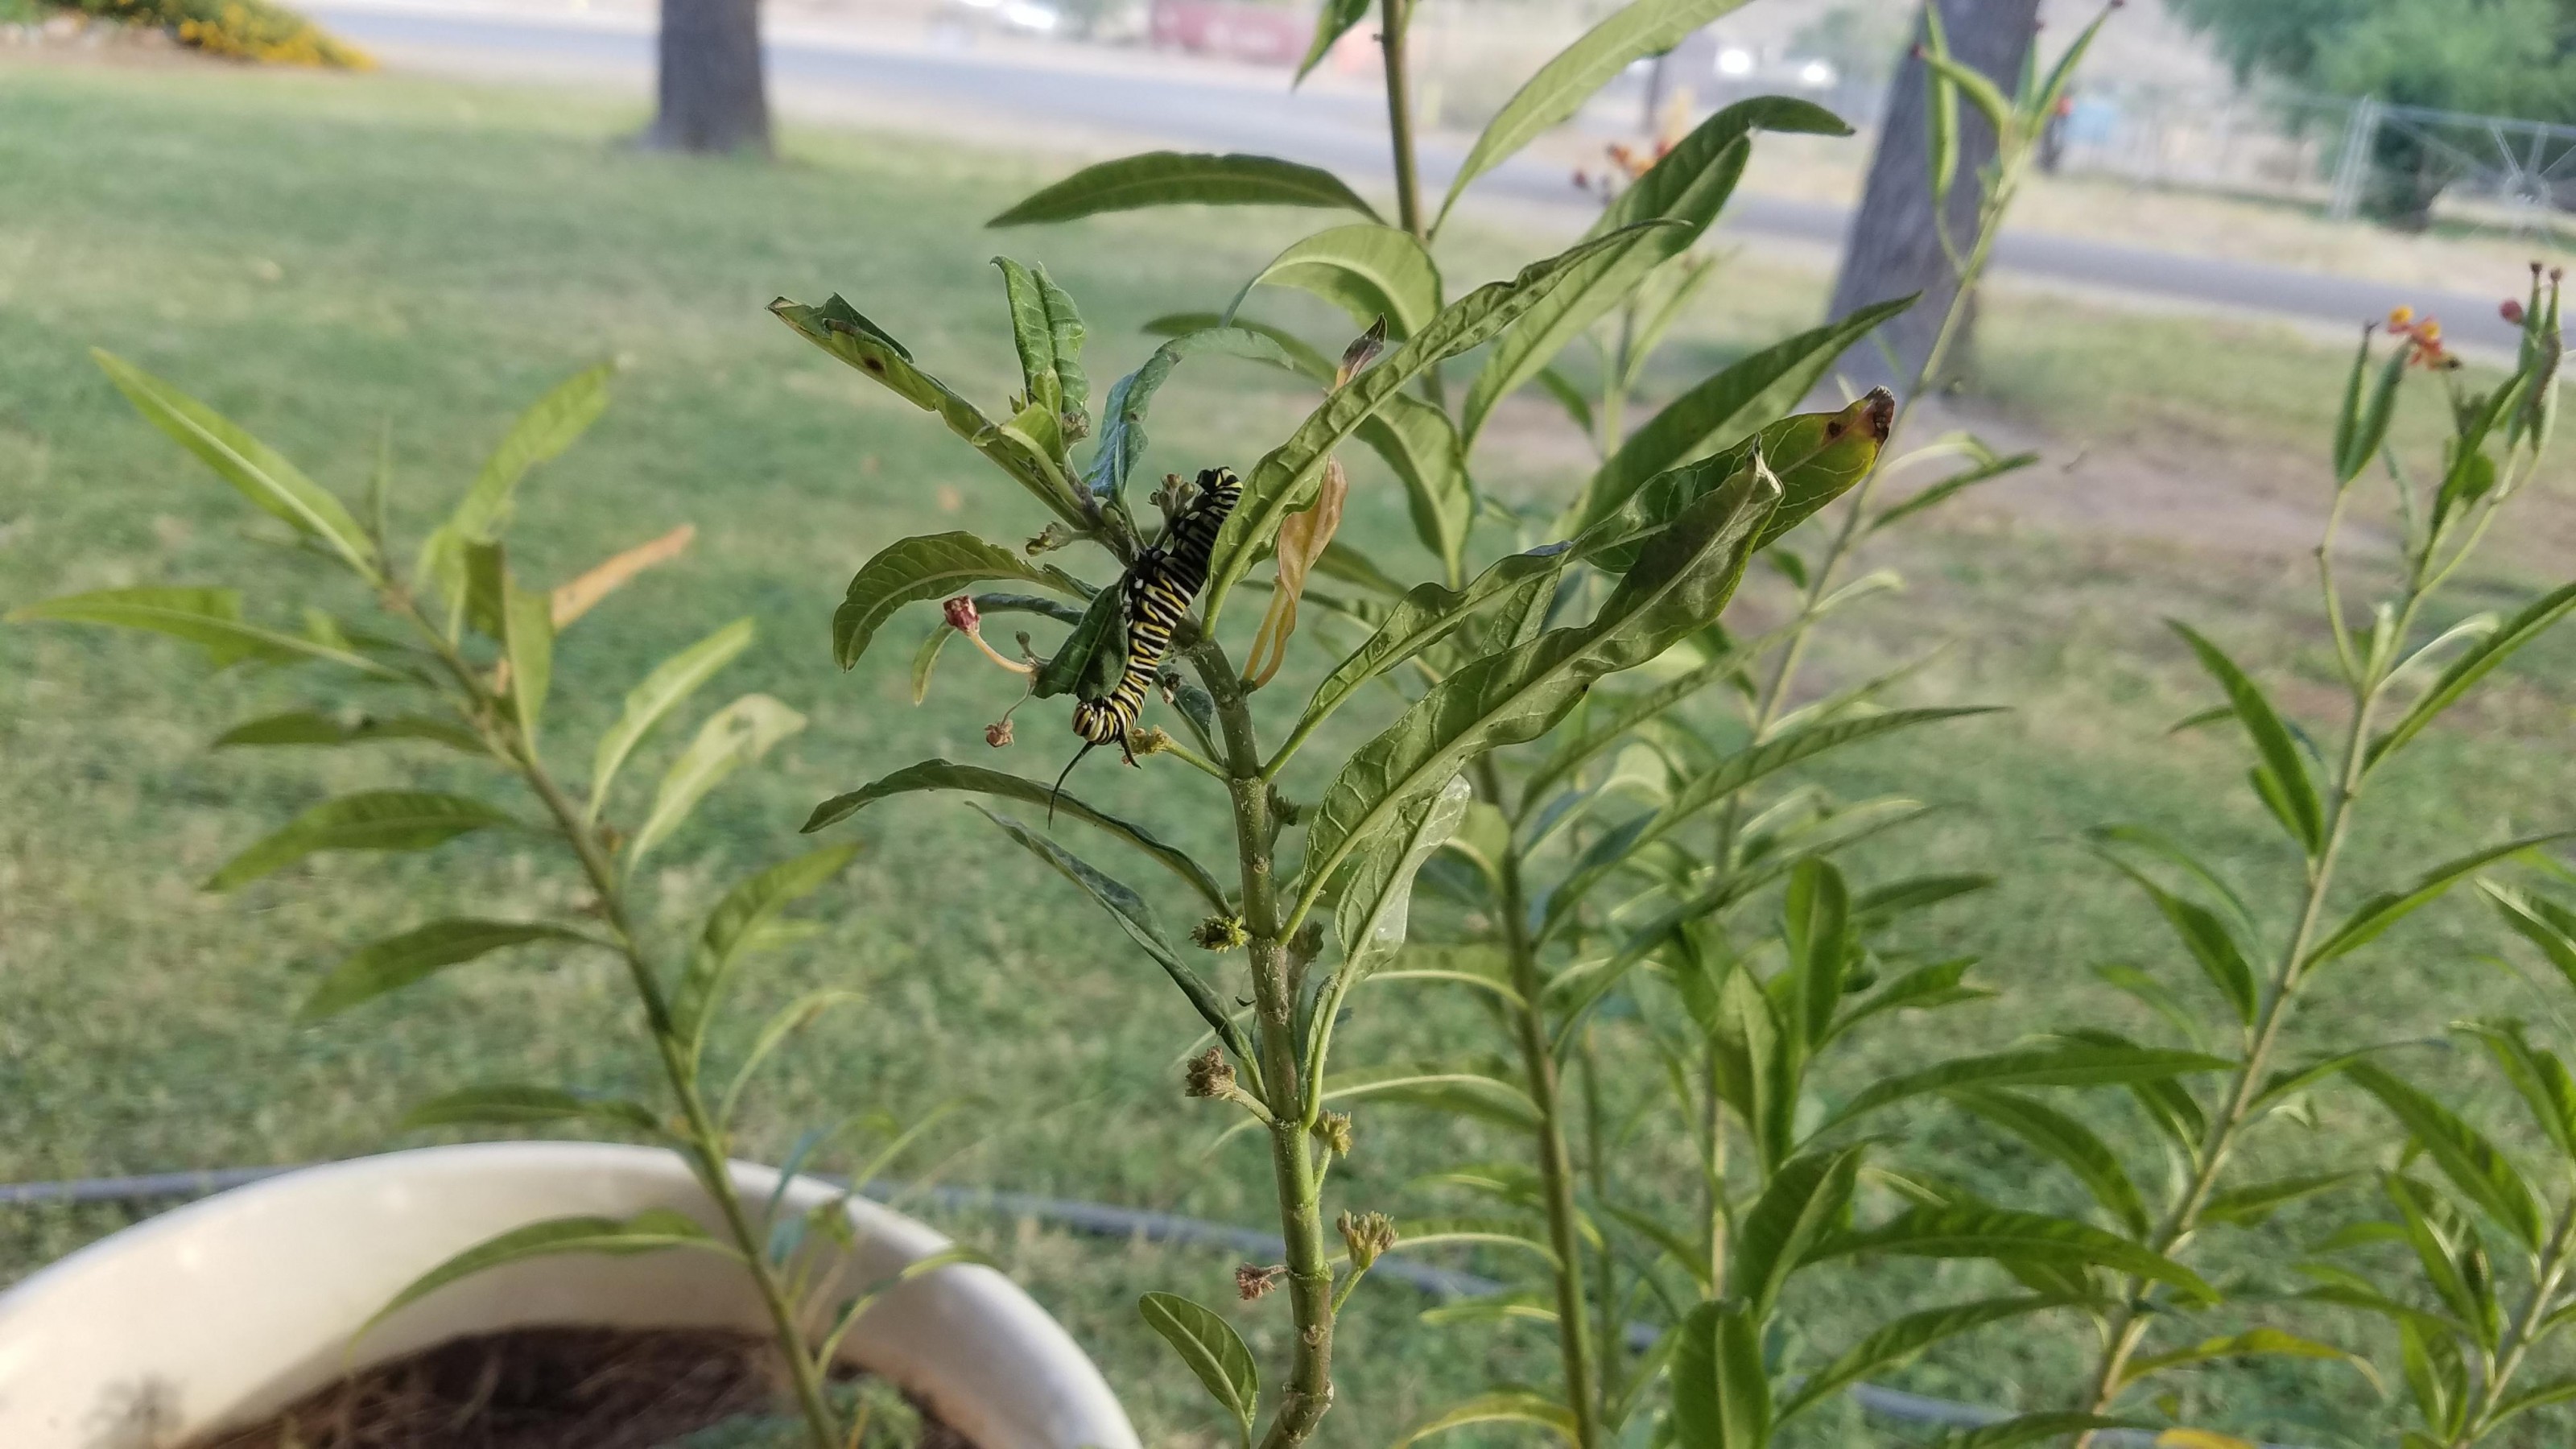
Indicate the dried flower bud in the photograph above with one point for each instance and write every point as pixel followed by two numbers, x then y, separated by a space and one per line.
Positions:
pixel 1220 933
pixel 1148 741
pixel 1075 424
pixel 1207 1075
pixel 1050 538
pixel 1335 1129
pixel 1367 1236
pixel 2511 311
pixel 1252 1280
pixel 1362 351
pixel 1284 810
pixel 961 614
pixel 998 733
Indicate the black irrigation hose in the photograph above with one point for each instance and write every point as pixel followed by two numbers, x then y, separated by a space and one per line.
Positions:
pixel 1097 1219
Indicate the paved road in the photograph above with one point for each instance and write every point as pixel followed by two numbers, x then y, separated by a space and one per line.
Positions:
pixel 1343 130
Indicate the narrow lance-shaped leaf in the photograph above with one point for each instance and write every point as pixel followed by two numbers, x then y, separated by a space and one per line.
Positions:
pixel 1997 1233
pixel 2070 1144
pixel 368 820
pixel 2482 1173
pixel 1648 27
pixel 974 779
pixel 1284 481
pixel 1088 660
pixel 309 727
pixel 2206 938
pixel 928 566
pixel 1679 583
pixel 521 1104
pixel 2464 672
pixel 417 954
pixel 735 924
pixel 1515 1406
pixel 2375 915
pixel 1721 1391
pixel 1048 333
pixel 1900 1340
pixel 2252 1343
pixel 646 1232
pixel 1368 271
pixel 209 618
pixel 1689 184
pixel 2073 1065
pixel 1375 911
pixel 1137 919
pixel 1183 178
pixel 841 330
pixel 1817 457
pixel 651 701
pixel 259 472
pixel 1122 417
pixel 1212 1350
pixel 732 737
pixel 2279 753
pixel 554 423
pixel 1804 1199
pixel 1419 442
pixel 1983 471
pixel 1718 412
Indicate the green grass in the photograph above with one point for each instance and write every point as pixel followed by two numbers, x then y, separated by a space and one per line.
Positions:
pixel 330 260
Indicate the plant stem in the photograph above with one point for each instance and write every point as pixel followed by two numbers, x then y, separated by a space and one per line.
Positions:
pixel 1294 1171
pixel 706 1151
pixel 2545 1279
pixel 1394 18
pixel 1555 1162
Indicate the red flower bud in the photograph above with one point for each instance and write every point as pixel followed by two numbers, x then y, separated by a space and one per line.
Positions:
pixel 2511 311
pixel 961 614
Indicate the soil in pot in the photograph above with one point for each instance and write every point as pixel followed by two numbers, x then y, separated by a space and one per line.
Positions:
pixel 582 1388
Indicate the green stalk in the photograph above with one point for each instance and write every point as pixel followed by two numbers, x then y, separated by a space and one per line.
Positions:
pixel 1555 1162
pixel 705 1142
pixel 1395 17
pixel 1294 1171
pixel 2518 1336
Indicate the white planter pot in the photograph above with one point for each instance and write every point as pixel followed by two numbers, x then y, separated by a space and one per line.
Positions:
pixel 225 1311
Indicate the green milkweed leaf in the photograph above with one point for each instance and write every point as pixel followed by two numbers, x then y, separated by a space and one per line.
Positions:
pixel 2475 664
pixel 1803 1201
pixel 1689 184
pixel 1422 447
pixel 2033 1428
pixel 2253 1343
pixel 1721 1392
pixel 2281 763
pixel 732 737
pixel 2538 1076
pixel 2067 1142
pixel 1719 412
pixel 735 926
pixel 1089 659
pixel 2483 1174
pixel 310 727
pixel 522 1104
pixel 2077 1064
pixel 1679 583
pixel 1212 1350
pixel 2375 915
pixel 928 566
pixel 1137 919
pixel 554 423
pixel 651 701
pixel 646 1232
pixel 1182 178
pixel 1560 88
pixel 1334 22
pixel 1122 418
pixel 209 618
pixel 941 775
pixel 1048 333
pixel 258 472
pixel 2253 1203
pixel 1899 1341
pixel 2539 1396
pixel 2206 938
pixel 2007 1236
pixel 417 954
pixel 1284 480
pixel 1936 494
pixel 1375 910
pixel 1514 1406
pixel 1460 1090
pixel 1287 349
pixel 1367 270
pixel 368 820
pixel 841 330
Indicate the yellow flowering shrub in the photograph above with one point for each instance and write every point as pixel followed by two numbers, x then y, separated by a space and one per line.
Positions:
pixel 255 30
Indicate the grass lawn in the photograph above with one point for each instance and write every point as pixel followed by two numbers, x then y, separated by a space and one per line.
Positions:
pixel 329 258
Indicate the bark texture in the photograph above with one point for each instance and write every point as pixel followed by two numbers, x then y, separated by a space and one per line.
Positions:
pixel 713 94
pixel 1893 248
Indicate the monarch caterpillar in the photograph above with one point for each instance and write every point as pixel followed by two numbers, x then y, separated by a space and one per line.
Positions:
pixel 1157 591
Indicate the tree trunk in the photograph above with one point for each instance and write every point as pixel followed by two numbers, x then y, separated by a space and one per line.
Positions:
pixel 1893 248
pixel 713 94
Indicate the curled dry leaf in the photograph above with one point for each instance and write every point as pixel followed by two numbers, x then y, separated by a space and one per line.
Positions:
pixel 1302 537
pixel 576 598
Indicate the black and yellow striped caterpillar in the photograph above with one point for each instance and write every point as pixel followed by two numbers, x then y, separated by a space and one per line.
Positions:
pixel 1158 589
